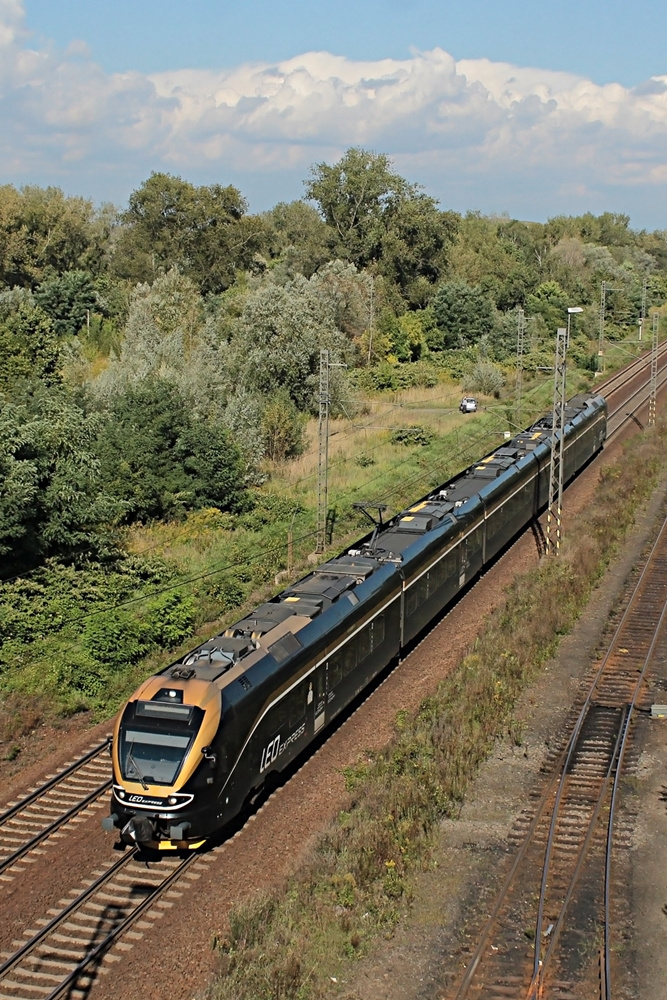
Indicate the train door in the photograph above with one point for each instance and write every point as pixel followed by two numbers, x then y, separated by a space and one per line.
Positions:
pixel 465 561
pixel 320 696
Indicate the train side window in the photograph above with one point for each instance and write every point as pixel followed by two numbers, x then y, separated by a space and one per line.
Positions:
pixel 411 600
pixel 349 652
pixel 280 713
pixel 364 643
pixel 335 669
pixel 297 705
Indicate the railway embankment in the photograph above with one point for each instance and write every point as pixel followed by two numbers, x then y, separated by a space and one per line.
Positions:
pixel 359 879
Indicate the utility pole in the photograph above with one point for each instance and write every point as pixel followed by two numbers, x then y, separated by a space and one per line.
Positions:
pixel 555 497
pixel 554 534
pixel 654 370
pixel 520 346
pixel 643 312
pixel 371 318
pixel 323 449
pixel 323 453
pixel 603 300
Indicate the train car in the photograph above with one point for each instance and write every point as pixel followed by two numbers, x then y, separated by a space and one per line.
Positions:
pixel 200 738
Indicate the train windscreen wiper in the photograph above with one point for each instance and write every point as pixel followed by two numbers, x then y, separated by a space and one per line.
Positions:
pixel 132 761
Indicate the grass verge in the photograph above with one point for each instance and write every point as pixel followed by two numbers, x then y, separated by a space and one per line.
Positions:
pixel 290 943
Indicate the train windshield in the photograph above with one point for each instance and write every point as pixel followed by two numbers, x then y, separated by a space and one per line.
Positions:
pixel 154 757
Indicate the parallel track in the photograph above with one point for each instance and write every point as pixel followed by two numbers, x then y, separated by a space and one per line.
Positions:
pixel 25 824
pixel 565 840
pixel 65 954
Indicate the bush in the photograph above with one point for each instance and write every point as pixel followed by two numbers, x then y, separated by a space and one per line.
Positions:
pixel 393 377
pixel 484 377
pixel 170 619
pixel 283 427
pixel 116 638
pixel 413 435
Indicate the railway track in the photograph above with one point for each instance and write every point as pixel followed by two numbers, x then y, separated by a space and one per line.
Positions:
pixel 67 952
pixel 28 822
pixel 566 848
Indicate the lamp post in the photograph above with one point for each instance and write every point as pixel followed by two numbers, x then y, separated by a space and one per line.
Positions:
pixel 572 310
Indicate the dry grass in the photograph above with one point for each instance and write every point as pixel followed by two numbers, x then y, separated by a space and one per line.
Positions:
pixel 287 945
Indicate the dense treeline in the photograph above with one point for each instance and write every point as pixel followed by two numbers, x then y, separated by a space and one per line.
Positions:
pixel 150 358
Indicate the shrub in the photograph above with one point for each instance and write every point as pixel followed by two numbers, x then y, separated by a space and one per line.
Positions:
pixel 116 638
pixel 283 427
pixel 413 435
pixel 484 377
pixel 170 619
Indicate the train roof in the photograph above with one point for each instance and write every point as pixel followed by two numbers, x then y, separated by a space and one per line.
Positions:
pixel 273 627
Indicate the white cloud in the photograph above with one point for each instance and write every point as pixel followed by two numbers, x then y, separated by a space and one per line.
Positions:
pixel 489 130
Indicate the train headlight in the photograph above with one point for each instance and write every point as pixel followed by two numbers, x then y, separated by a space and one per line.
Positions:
pixel 172 800
pixel 120 793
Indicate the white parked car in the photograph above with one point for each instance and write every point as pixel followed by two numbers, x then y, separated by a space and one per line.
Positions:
pixel 468 405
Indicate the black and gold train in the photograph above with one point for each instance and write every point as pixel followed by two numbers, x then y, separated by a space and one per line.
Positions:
pixel 200 738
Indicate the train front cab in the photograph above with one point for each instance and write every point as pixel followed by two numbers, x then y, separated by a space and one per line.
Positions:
pixel 164 762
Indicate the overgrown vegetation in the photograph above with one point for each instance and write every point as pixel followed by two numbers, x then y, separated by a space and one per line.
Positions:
pixel 288 943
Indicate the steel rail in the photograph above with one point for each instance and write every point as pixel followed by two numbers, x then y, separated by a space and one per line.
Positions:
pixel 558 770
pixel 575 736
pixel 120 929
pixel 642 389
pixel 612 769
pixel 626 373
pixel 55 825
pixel 52 782
pixel 44 931
pixel 612 807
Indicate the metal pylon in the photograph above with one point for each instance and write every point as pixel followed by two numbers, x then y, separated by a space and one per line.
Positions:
pixel 520 347
pixel 555 499
pixel 654 370
pixel 323 453
pixel 603 301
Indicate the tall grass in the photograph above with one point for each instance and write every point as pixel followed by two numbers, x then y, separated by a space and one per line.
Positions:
pixel 285 945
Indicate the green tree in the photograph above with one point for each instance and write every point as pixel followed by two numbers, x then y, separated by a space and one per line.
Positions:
pixel 300 240
pixel 550 302
pixel 203 231
pixel 377 217
pixel 68 300
pixel 29 349
pixel 44 233
pixel 160 461
pixel 51 498
pixel 278 340
pixel 463 316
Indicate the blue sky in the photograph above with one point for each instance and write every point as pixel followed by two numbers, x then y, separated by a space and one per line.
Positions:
pixel 525 107
pixel 611 41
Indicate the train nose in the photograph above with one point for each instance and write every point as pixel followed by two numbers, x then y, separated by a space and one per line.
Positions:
pixel 139 830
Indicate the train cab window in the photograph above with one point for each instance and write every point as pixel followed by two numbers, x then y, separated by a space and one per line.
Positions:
pixel 153 758
pixel 152 750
